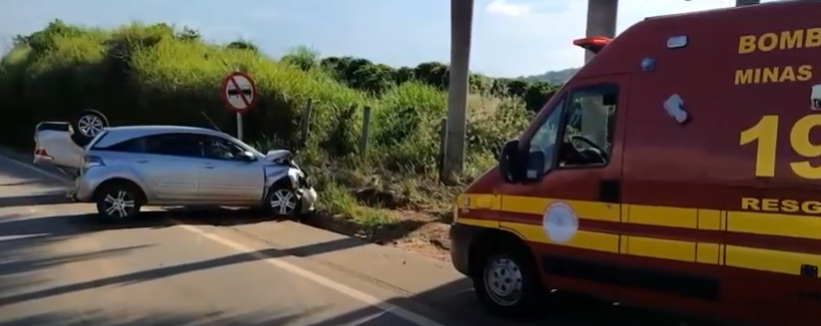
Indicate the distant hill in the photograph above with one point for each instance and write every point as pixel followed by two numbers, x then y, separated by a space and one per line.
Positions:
pixel 554 77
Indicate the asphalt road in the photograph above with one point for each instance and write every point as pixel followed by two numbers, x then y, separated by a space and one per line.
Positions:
pixel 59 266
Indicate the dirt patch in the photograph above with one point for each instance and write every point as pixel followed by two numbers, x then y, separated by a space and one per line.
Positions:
pixel 418 232
pixel 431 240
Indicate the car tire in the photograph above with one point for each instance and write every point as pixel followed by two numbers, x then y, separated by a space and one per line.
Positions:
pixel 89 123
pixel 118 201
pixel 506 280
pixel 282 199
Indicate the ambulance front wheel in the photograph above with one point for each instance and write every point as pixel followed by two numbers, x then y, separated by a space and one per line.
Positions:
pixel 506 280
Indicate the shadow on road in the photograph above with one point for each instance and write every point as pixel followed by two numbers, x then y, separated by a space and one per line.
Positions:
pixel 174 270
pixel 24 185
pixel 136 317
pixel 18 183
pixel 23 256
pixel 23 264
pixel 455 300
pixel 70 225
pixel 13 173
pixel 169 216
pixel 47 198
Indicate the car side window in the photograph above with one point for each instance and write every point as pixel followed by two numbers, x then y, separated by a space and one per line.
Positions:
pixel 221 149
pixel 542 144
pixel 134 145
pixel 588 126
pixel 186 145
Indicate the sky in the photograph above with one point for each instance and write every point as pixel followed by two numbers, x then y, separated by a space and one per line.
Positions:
pixel 510 37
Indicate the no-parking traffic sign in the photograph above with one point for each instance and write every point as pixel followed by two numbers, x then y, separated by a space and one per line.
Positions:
pixel 238 92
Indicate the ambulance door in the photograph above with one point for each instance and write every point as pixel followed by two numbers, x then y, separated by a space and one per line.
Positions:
pixel 573 186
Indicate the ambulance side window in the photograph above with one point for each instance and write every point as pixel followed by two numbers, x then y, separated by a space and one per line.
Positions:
pixel 588 126
pixel 543 143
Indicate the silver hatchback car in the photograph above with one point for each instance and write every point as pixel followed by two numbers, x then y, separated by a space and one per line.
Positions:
pixel 124 168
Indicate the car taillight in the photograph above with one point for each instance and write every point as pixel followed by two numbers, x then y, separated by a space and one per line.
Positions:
pixel 41 153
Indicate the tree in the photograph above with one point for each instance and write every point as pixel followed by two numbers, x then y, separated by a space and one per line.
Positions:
pixel 243 45
pixel 376 78
pixel 303 57
pixel 189 34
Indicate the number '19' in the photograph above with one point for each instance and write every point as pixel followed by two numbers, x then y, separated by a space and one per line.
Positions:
pixel 765 134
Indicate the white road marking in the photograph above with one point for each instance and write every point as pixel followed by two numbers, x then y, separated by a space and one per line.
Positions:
pixel 366 319
pixel 279 263
pixel 319 279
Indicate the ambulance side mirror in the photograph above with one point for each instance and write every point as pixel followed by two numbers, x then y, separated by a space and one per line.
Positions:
pixel 511 164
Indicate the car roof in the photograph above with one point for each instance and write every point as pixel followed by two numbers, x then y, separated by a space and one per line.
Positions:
pixel 158 128
pixel 117 134
pixel 135 131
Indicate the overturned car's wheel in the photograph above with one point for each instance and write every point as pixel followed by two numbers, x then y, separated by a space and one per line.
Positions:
pixel 118 201
pixel 90 123
pixel 282 199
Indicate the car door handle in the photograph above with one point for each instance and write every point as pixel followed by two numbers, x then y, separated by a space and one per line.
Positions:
pixel 209 166
pixel 142 161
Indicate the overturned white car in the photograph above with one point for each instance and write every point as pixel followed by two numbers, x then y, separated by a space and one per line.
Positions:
pixel 124 168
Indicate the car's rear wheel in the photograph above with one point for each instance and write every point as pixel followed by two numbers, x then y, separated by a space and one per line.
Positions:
pixel 282 199
pixel 118 201
pixel 506 280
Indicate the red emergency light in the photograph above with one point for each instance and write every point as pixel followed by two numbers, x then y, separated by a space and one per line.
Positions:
pixel 594 43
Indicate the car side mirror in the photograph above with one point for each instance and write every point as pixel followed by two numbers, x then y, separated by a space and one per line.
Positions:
pixel 535 164
pixel 511 164
pixel 247 156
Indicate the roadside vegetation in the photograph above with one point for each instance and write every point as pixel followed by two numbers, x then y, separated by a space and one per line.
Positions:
pixel 156 74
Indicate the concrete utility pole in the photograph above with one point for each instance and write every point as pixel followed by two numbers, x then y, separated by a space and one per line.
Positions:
pixel 601 20
pixel 461 25
pixel 739 3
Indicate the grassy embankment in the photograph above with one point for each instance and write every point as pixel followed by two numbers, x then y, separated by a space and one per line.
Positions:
pixel 140 74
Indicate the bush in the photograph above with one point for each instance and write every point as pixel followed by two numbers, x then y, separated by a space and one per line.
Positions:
pixel 153 74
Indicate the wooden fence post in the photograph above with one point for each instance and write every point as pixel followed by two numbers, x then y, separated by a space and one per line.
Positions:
pixel 443 131
pixel 366 126
pixel 305 123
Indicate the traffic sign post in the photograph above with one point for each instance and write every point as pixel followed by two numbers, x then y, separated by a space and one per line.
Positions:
pixel 239 93
pixel 239 126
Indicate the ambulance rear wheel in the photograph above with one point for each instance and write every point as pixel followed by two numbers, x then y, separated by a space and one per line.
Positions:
pixel 506 280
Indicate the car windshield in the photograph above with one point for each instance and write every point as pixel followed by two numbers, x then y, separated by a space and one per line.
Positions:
pixel 246 146
pixel 95 139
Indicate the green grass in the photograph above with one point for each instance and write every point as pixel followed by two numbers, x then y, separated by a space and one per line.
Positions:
pixel 140 74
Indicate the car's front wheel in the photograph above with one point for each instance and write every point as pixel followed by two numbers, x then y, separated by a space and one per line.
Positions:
pixel 118 201
pixel 282 199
